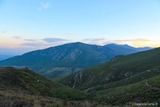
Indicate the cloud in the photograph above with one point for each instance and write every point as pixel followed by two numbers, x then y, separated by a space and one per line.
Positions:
pixel 98 41
pixel 4 32
pixel 9 42
pixel 44 5
pixel 42 43
pixel 133 42
pixel 30 40
pixel 16 37
pixel 140 42
pixel 32 44
pixel 21 45
pixel 18 44
pixel 51 40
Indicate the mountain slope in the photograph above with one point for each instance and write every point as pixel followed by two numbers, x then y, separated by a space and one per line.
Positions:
pixel 25 81
pixel 23 88
pixel 63 60
pixel 125 49
pixel 134 77
pixel 3 57
pixel 146 91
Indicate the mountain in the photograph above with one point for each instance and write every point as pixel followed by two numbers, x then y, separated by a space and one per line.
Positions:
pixel 125 49
pixel 24 88
pixel 3 57
pixel 131 78
pixel 62 60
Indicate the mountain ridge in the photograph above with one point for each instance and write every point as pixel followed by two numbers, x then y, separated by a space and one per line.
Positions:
pixel 62 60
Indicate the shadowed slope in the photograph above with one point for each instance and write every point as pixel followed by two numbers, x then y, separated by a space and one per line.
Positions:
pixel 134 78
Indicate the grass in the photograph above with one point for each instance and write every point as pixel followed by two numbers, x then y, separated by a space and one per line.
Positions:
pixel 26 80
pixel 121 80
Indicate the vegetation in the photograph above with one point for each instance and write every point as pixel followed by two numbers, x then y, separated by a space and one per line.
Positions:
pixel 132 78
pixel 147 91
pixel 26 81
pixel 24 88
pixel 17 99
pixel 123 80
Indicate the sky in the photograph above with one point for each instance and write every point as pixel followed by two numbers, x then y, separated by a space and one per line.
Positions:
pixel 27 25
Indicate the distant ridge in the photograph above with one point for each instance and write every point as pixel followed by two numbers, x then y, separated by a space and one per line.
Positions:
pixel 3 57
pixel 62 60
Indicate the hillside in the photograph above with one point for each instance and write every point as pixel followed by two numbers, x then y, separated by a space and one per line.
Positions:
pixel 132 78
pixel 25 81
pixel 62 60
pixel 145 91
pixel 3 57
pixel 23 88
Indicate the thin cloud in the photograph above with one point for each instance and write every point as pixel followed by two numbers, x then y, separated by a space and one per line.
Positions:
pixel 30 40
pixel 4 32
pixel 98 41
pixel 51 40
pixel 16 37
pixel 140 42
pixel 32 44
pixel 43 43
pixel 44 5
pixel 132 42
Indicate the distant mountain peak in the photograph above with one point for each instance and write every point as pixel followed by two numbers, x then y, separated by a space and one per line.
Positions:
pixel 67 58
pixel 79 44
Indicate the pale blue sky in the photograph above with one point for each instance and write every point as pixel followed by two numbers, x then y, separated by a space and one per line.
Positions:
pixel 80 19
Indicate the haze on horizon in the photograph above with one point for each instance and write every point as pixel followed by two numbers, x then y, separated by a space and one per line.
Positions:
pixel 35 24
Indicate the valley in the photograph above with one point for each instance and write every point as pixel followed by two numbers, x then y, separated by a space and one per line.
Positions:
pixel 79 53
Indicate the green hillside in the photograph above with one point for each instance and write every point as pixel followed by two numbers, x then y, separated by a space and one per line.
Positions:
pixel 146 91
pixel 25 81
pixel 121 80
